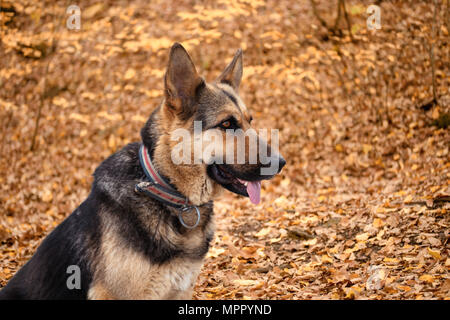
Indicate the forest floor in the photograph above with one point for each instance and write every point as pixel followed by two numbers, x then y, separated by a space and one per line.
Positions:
pixel 361 210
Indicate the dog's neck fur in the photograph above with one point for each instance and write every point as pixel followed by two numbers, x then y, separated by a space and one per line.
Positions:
pixel 191 180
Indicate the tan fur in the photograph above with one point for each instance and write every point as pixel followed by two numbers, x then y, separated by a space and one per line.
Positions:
pixel 189 179
pixel 241 104
pixel 123 273
pixel 192 180
pixel 98 292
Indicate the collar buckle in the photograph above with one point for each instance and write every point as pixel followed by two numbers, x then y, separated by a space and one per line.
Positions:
pixel 184 209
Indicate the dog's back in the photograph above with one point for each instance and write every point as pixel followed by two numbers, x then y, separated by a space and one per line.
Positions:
pixel 45 276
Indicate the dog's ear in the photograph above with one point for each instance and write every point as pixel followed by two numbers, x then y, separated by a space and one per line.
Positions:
pixel 232 74
pixel 181 80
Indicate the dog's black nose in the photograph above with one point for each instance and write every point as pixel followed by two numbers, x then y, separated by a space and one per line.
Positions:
pixel 281 163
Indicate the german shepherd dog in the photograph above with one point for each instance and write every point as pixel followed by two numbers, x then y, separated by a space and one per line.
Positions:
pixel 147 223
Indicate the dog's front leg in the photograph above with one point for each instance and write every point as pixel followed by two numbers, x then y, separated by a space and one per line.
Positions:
pixel 182 295
pixel 99 292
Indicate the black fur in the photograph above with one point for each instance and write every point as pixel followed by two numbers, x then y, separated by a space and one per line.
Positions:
pixel 73 242
pixel 77 239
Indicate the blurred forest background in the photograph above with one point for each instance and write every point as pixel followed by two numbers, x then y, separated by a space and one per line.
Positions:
pixel 361 210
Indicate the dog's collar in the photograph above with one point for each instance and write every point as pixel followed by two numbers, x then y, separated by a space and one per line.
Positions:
pixel 160 189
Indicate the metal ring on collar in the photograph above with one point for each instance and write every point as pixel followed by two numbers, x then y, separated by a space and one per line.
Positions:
pixel 180 217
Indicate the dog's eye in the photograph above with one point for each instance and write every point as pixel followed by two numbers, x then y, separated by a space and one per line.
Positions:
pixel 226 124
pixel 229 123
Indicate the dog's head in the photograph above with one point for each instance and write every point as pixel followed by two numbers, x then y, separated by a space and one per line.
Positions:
pixel 205 141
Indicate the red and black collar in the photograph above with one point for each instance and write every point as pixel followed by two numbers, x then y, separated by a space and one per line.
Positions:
pixel 160 189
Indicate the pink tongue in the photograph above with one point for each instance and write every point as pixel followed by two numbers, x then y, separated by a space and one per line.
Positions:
pixel 254 191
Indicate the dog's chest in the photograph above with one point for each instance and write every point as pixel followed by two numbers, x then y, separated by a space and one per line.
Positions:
pixel 171 280
pixel 133 277
pixel 181 277
pixel 126 273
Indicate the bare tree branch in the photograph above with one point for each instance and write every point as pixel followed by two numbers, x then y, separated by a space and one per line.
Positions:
pixel 316 13
pixel 44 84
pixel 431 51
pixel 447 16
pixel 347 18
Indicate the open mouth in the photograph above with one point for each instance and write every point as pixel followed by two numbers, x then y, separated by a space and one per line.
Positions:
pixel 229 180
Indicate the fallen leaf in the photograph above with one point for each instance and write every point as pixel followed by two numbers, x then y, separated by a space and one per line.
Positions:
pixel 129 74
pixel 435 254
pixel 242 282
pixel 362 237
pixel 426 278
pixel 263 232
